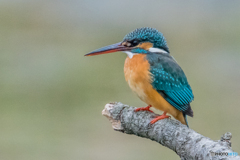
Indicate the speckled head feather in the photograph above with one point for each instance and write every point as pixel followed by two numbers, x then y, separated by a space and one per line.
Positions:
pixel 147 34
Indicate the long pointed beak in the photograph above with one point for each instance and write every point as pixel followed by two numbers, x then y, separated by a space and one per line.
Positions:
pixel 109 49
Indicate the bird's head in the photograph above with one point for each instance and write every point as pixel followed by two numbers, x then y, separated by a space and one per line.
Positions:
pixel 139 41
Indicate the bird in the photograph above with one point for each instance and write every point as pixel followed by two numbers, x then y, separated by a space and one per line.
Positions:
pixel 153 74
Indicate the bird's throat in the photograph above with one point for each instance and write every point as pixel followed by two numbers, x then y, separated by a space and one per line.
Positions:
pixel 130 54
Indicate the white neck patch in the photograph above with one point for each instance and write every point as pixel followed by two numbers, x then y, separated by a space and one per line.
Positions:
pixel 157 50
pixel 130 54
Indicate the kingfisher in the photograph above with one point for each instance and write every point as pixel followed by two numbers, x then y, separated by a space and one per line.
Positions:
pixel 153 74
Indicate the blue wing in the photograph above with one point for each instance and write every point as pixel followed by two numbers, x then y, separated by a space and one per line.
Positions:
pixel 170 81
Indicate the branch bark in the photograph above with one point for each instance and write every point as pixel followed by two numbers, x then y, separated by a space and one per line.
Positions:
pixel 170 133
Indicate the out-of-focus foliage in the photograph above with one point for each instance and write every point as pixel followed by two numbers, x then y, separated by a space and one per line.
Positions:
pixel 51 96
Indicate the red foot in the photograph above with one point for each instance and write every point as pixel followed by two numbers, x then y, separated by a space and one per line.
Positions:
pixel 163 116
pixel 144 109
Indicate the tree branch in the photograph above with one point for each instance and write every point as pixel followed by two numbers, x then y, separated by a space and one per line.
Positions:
pixel 170 133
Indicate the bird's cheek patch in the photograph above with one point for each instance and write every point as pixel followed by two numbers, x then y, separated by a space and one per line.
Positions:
pixel 145 45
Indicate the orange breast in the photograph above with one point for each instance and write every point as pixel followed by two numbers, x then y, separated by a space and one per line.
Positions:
pixel 139 78
pixel 136 70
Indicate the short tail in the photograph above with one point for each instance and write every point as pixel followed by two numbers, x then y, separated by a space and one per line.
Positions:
pixel 188 112
pixel 185 118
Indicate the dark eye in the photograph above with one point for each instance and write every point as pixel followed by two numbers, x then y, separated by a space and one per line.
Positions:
pixel 134 43
pixel 131 43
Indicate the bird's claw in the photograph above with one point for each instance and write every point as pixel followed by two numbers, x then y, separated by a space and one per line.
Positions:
pixel 159 118
pixel 144 109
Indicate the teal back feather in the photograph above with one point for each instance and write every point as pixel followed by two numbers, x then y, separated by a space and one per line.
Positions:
pixel 170 81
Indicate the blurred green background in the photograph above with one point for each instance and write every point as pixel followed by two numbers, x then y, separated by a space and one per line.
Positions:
pixel 51 96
